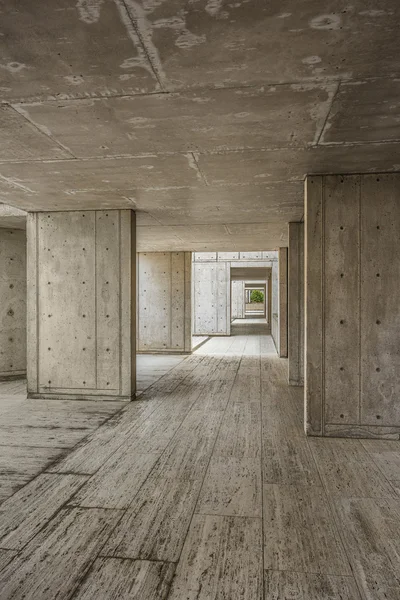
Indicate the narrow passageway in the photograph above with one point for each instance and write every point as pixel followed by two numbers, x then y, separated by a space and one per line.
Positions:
pixel 206 488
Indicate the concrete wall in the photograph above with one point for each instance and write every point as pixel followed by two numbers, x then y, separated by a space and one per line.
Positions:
pixel 81 304
pixel 352 305
pixel 12 303
pixel 283 302
pixel 296 304
pixel 164 302
pixel 211 298
pixel 275 304
pixel 237 300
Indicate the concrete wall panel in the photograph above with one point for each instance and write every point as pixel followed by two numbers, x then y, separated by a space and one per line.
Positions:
pixel 380 307
pixel 352 309
pixel 164 302
pixel 237 302
pixel 341 299
pixel 283 302
pixel 13 303
pixel 78 300
pixel 296 304
pixel 211 288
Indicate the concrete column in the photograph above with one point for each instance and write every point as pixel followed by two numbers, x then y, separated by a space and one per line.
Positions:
pixel 296 304
pixel 211 298
pixel 274 281
pixel 164 302
pixel 12 303
pixel 352 305
pixel 237 293
pixel 283 302
pixel 81 304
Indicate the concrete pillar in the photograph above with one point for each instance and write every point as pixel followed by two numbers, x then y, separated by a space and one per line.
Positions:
pixel 237 299
pixel 211 298
pixel 164 302
pixel 12 303
pixel 81 304
pixel 352 305
pixel 283 302
pixel 275 303
pixel 296 304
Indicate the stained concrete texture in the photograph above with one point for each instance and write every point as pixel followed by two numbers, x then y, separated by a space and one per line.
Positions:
pixel 203 117
pixel 164 302
pixel 352 310
pixel 81 304
pixel 12 303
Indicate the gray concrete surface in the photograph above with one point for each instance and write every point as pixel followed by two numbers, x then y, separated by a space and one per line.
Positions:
pixel 12 303
pixel 283 302
pixel 164 305
pixel 296 304
pixel 203 117
pixel 81 304
pixel 352 309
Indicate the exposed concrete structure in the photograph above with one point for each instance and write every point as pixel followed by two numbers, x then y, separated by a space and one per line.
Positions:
pixel 210 158
pixel 12 303
pixel 296 304
pixel 164 302
pixel 352 308
pixel 214 274
pixel 81 304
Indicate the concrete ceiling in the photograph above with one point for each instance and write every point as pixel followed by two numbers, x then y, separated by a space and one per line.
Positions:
pixel 202 115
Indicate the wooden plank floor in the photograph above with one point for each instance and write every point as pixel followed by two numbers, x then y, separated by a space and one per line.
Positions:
pixel 205 488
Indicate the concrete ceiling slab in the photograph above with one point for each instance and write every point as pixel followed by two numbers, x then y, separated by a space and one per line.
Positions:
pixel 20 140
pixel 219 42
pixel 69 49
pixel 365 112
pixel 260 117
pixel 202 115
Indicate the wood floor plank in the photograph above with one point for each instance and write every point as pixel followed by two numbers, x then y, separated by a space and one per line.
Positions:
pixel 26 512
pixel 97 448
pixel 240 433
pixel 18 465
pixel 118 481
pixel 45 437
pixel 371 531
pixel 124 579
pixel 284 585
pixel 221 559
pixel 347 469
pixel 156 524
pixel 386 455
pixel 299 532
pixel 55 561
pixel 232 486
pixel 288 461
pixel 6 556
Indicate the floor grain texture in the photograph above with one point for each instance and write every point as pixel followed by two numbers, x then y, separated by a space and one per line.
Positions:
pixel 204 488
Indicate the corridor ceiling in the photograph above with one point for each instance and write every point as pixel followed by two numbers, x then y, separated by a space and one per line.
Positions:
pixel 202 115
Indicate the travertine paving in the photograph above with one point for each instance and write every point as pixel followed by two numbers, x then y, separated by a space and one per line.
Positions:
pixel 205 488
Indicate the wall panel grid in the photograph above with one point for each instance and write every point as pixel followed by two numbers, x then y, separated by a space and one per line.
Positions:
pixel 80 303
pixel 352 307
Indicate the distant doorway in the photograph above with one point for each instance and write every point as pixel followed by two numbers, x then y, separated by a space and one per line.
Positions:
pixel 255 302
